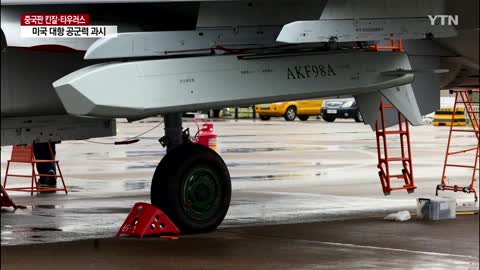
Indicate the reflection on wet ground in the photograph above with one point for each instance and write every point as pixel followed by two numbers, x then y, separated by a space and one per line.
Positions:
pixel 79 218
pixel 243 164
pixel 137 185
pixel 268 149
pixel 145 153
pixel 143 166
pixel 289 134
pixel 319 172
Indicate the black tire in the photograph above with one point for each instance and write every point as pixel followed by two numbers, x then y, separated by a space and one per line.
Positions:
pixel 214 113
pixel 328 118
pixel 264 117
pixel 186 172
pixel 303 117
pixel 359 118
pixel 290 113
pixel 4 42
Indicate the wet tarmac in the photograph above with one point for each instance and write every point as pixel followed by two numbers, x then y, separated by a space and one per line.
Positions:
pixel 352 244
pixel 282 173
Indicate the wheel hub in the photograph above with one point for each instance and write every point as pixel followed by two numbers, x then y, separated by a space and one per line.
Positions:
pixel 201 193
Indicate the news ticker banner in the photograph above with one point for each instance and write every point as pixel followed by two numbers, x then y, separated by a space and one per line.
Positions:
pixel 62 26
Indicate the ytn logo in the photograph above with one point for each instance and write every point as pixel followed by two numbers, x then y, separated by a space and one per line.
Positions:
pixel 443 19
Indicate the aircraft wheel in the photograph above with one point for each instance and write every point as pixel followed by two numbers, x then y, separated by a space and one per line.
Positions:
pixel 4 42
pixel 191 185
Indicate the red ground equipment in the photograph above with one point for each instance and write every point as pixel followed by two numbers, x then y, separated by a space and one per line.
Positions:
pixel 384 159
pixel 6 201
pixel 24 154
pixel 146 219
pixel 205 135
pixel 462 97
pixel 396 45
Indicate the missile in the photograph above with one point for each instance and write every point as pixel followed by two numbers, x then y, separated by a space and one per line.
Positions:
pixel 139 89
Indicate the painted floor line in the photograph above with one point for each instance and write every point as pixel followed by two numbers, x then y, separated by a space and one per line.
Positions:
pixel 400 250
pixel 315 195
pixel 360 246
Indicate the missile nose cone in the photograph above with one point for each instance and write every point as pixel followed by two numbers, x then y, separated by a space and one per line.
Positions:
pixel 287 33
pixel 73 101
pixel 105 46
pixel 107 90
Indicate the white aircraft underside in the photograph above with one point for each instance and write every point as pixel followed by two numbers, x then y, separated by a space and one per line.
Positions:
pixel 224 53
pixel 177 56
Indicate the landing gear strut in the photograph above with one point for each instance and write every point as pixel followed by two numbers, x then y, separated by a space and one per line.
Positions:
pixel 191 183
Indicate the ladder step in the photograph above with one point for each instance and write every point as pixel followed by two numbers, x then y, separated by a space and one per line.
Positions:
pixel 462 151
pixel 465 130
pixel 405 187
pixel 388 132
pixel 397 176
pixel 472 102
pixel 461 166
pixel 387 106
pixel 397 159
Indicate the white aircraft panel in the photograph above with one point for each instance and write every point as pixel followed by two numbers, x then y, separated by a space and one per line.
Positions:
pixel 361 9
pixel 251 13
pixel 53 128
pixel 140 44
pixel 362 30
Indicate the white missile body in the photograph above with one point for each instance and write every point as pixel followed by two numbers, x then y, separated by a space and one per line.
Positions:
pixel 140 89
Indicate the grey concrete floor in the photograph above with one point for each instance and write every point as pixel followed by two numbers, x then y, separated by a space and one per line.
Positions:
pixel 282 173
pixel 351 244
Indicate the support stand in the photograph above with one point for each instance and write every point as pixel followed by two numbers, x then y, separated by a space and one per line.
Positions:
pixel 384 161
pixel 462 97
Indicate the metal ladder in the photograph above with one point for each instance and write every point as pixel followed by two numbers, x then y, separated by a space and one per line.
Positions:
pixel 383 158
pixel 462 97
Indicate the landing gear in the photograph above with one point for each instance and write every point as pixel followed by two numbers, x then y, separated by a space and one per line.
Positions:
pixel 191 184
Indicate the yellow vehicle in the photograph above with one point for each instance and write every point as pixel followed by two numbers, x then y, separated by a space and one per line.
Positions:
pixel 290 109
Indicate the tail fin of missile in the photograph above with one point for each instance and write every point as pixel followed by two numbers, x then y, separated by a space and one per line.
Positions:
pixel 368 104
pixel 402 97
pixel 413 100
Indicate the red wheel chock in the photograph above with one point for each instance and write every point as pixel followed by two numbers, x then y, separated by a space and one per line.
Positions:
pixel 146 219
pixel 6 201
